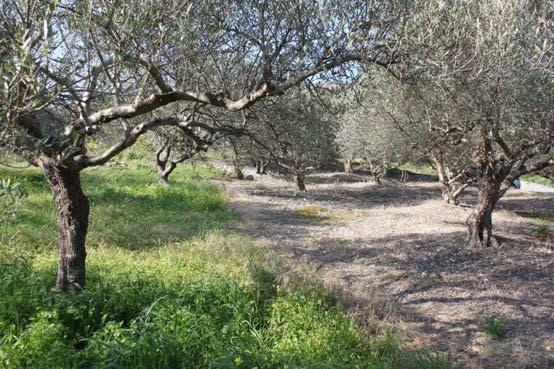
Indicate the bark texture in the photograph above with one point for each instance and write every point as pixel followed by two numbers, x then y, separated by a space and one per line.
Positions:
pixel 479 221
pixel 164 165
pixel 347 165
pixel 238 172
pixel 300 181
pixel 261 166
pixel 72 212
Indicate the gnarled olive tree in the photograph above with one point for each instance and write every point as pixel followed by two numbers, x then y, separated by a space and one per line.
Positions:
pixel 494 62
pixel 71 69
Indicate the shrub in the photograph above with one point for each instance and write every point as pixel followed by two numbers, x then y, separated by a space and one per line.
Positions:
pixel 496 326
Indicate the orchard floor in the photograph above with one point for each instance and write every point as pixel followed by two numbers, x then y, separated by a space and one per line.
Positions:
pixel 397 253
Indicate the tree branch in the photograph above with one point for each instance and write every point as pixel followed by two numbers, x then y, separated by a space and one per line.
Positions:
pixel 84 161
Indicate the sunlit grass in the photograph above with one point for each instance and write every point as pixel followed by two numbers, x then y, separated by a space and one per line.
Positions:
pixel 169 285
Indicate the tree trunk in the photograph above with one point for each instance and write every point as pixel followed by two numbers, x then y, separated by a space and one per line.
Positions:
pixel 347 165
pixel 300 177
pixel 263 166
pixel 446 192
pixel 162 160
pixel 72 211
pixel 258 166
pixel 480 220
pixel 238 172
pixel 164 171
pixel 376 179
pixel 375 173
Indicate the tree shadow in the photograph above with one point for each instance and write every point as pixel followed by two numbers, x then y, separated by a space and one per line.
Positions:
pixel 366 197
pixel 528 206
pixel 448 291
pixel 159 215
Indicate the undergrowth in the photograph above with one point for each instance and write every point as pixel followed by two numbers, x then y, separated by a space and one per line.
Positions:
pixel 168 286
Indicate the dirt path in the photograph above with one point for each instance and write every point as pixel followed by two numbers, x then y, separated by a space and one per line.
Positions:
pixel 397 250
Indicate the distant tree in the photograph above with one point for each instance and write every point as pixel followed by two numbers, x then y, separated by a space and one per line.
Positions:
pixel 295 132
pixel 367 132
pixel 175 146
pixel 420 121
pixel 73 69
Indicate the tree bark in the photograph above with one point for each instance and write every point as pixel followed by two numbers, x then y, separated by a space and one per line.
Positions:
pixel 164 171
pixel 238 172
pixel 480 219
pixel 263 166
pixel 72 212
pixel 347 165
pixel 300 178
pixel 446 191
pixel 377 179
pixel 164 165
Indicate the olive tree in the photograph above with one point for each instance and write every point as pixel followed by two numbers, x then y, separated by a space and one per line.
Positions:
pixel 295 132
pixel 493 63
pixel 423 121
pixel 73 69
pixel 175 146
pixel 368 132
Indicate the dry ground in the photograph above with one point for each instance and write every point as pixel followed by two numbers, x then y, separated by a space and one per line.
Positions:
pixel 398 251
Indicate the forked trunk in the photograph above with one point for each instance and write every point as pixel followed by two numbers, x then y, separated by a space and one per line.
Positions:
pixel 446 192
pixel 72 211
pixel 377 179
pixel 375 173
pixel 164 171
pixel 263 166
pixel 347 165
pixel 164 165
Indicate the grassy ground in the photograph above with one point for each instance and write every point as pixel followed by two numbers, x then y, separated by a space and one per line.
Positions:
pixel 538 179
pixel 168 286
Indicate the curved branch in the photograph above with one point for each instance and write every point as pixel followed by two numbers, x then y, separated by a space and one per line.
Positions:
pixel 131 137
pixel 219 99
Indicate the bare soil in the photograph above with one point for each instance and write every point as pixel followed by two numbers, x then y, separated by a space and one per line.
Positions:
pixel 397 251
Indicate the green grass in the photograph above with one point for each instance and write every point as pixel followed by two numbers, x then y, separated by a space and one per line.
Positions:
pixel 538 179
pixel 422 169
pixel 495 326
pixel 169 285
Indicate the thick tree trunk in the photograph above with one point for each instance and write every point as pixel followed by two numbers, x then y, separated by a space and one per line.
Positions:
pixel 480 220
pixel 72 211
pixel 347 165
